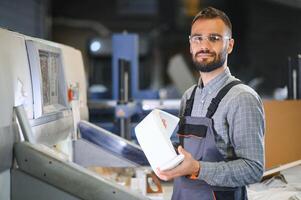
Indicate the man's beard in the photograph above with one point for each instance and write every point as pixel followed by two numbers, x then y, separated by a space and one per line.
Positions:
pixel 218 61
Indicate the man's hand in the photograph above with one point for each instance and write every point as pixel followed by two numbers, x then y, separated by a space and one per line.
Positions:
pixel 189 166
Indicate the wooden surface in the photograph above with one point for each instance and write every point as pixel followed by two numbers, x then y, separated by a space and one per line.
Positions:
pixel 283 132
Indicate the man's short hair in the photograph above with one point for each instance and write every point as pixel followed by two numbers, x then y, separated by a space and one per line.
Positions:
pixel 212 13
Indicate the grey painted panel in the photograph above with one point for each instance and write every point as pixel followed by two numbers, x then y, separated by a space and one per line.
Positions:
pixel 44 165
pixel 5 185
pixel 47 133
pixel 87 154
pixel 26 187
pixel 7 140
pixel 53 132
pixel 112 143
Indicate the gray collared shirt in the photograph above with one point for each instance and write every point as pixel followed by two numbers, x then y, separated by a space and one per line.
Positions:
pixel 239 124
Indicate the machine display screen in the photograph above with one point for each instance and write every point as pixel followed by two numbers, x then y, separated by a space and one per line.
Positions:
pixel 49 71
pixel 48 79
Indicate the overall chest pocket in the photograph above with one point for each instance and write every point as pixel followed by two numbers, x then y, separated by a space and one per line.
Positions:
pixel 192 134
pixel 195 146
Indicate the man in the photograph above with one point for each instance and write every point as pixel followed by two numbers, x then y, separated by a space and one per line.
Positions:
pixel 221 130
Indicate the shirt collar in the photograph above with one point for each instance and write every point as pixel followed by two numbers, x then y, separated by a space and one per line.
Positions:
pixel 216 83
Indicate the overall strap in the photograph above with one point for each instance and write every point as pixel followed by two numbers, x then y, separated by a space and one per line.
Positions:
pixel 220 95
pixel 189 103
pixel 187 112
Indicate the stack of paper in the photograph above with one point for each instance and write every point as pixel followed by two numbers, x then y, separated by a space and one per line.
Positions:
pixel 153 134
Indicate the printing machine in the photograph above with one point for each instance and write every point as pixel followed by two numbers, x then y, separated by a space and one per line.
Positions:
pixel 41 155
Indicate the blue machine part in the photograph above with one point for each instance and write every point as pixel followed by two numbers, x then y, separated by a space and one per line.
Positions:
pixel 112 143
pixel 125 46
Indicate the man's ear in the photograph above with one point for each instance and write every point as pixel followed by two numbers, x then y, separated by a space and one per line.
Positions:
pixel 230 46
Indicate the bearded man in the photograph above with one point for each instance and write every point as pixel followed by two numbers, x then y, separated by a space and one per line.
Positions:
pixel 221 131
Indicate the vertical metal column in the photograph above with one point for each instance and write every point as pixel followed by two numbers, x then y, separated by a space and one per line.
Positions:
pixel 290 88
pixel 299 76
pixel 294 81
pixel 125 79
pixel 124 95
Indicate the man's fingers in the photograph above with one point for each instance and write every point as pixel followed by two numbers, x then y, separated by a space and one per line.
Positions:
pixel 169 173
pixel 164 175
pixel 181 150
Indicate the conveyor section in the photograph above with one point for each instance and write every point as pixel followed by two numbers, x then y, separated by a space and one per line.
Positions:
pixel 112 143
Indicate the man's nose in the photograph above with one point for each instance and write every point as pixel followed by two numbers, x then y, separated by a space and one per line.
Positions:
pixel 204 48
pixel 205 42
